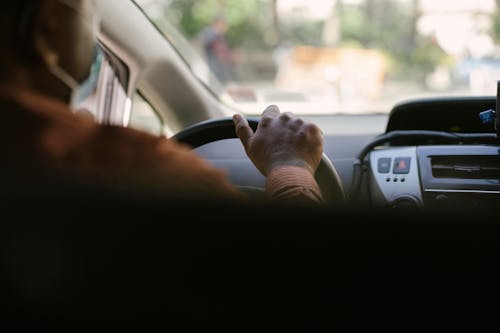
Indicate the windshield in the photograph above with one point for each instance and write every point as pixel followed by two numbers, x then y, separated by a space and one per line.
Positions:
pixel 334 56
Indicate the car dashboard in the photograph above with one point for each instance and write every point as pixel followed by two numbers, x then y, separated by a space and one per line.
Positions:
pixel 434 154
pixel 437 176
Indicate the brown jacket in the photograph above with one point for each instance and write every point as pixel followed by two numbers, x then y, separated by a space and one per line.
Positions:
pixel 40 137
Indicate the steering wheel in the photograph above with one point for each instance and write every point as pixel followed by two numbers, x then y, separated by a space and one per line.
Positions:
pixel 219 129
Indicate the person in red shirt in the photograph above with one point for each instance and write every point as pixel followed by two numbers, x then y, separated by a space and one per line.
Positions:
pixel 48 51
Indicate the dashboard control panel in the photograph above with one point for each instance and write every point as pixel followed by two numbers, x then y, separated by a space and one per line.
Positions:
pixel 395 177
pixel 435 176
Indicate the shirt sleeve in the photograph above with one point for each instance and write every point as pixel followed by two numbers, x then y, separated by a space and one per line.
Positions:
pixel 293 184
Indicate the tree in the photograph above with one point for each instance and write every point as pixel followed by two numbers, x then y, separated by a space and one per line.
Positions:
pixel 276 22
pixel 391 26
pixel 249 21
pixel 496 22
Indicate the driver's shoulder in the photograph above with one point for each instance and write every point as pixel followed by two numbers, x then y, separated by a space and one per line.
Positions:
pixel 123 143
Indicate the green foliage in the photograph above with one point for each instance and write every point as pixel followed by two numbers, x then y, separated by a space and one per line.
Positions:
pixel 352 24
pixel 386 25
pixel 248 20
pixel 390 27
pixel 496 26
pixel 306 33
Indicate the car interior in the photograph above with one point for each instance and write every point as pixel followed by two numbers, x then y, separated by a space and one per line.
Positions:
pixel 407 240
pixel 432 152
pixel 413 162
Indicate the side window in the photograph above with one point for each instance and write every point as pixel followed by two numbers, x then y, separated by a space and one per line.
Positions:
pixel 143 117
pixel 104 96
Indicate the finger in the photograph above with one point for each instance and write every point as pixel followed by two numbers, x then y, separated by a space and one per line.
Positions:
pixel 243 130
pixel 314 133
pixel 286 116
pixel 271 111
pixel 312 129
pixel 296 124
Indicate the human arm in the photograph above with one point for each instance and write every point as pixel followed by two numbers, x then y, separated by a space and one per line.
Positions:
pixel 287 150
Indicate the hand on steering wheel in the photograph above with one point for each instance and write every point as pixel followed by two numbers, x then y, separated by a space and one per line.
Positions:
pixel 219 129
pixel 281 139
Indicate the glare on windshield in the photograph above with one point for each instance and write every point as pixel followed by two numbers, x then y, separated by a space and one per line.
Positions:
pixel 335 56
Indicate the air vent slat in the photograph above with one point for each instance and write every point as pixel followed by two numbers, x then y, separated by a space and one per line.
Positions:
pixel 466 167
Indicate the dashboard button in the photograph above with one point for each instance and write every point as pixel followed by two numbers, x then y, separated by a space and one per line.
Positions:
pixel 402 165
pixel 384 165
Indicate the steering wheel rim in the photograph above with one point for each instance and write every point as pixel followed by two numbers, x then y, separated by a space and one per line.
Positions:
pixel 212 130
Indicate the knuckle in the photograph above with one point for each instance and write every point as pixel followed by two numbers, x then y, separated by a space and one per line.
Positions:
pixel 311 135
pixel 265 121
pixel 298 122
pixel 312 129
pixel 287 116
pixel 301 135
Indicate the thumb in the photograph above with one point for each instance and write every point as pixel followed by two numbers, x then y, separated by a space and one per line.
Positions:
pixel 243 130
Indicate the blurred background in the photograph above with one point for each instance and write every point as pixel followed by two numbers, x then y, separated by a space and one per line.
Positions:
pixel 335 56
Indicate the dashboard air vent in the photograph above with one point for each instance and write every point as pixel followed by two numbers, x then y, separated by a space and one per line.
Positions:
pixel 466 167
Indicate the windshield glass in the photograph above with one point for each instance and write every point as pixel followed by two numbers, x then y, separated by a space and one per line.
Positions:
pixel 334 56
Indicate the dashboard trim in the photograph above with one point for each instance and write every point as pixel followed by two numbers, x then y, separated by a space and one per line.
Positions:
pixel 461 191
